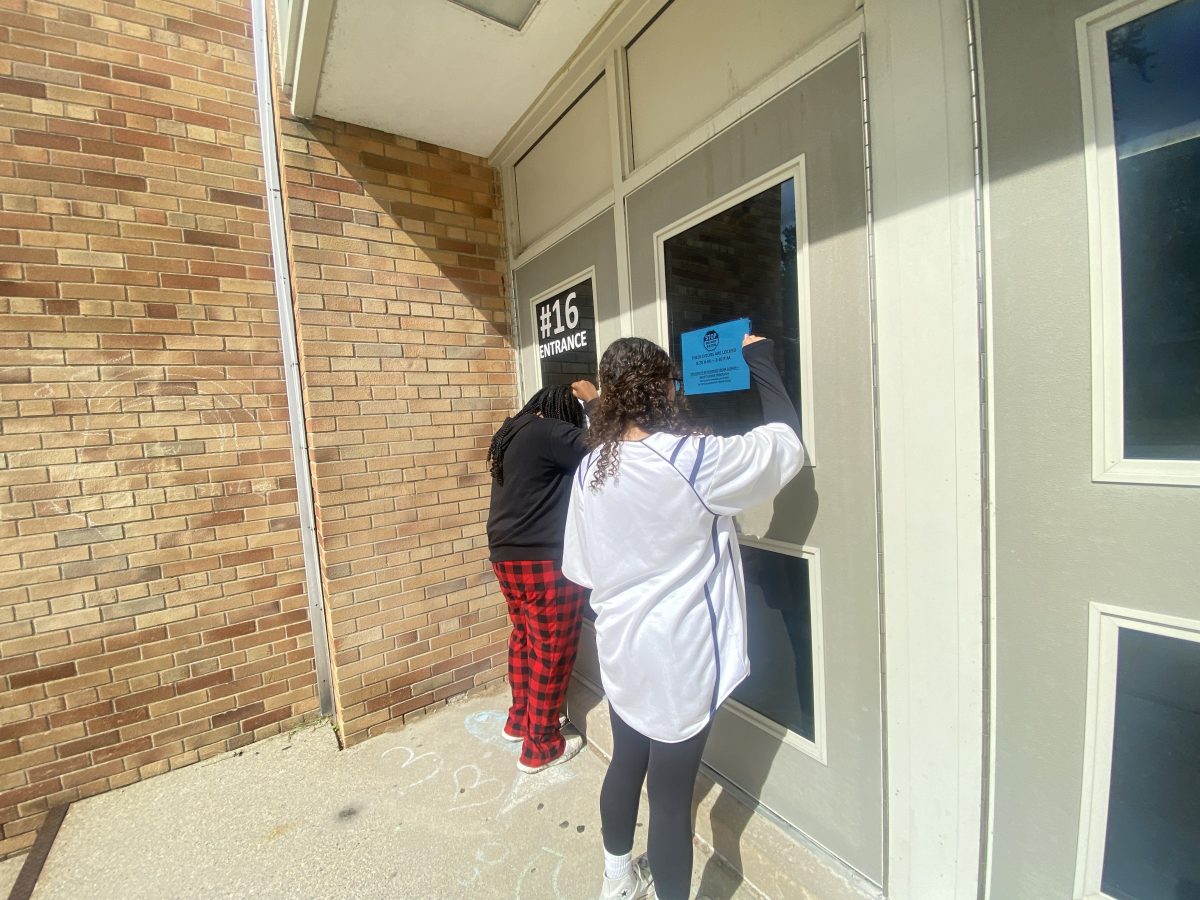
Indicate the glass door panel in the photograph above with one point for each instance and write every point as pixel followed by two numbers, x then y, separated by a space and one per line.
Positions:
pixel 779 617
pixel 738 263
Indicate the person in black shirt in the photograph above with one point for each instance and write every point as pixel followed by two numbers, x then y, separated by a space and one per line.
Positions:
pixel 532 458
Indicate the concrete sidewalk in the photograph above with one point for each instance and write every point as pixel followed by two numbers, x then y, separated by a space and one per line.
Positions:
pixel 437 810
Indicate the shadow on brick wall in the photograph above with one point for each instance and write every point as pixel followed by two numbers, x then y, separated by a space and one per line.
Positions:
pixel 408 367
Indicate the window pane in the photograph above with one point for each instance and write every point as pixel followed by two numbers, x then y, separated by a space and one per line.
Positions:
pixel 1152 851
pixel 739 263
pixel 779 625
pixel 1156 116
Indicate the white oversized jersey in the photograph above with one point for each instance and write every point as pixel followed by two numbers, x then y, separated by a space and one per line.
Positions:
pixel 658 548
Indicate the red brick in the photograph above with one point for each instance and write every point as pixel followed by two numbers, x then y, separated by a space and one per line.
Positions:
pixel 236 715
pixel 211 238
pixel 141 76
pixel 62 307
pixel 87 744
pixel 22 88
pixel 204 681
pixel 41 675
pixel 119 182
pixel 43 139
pixel 236 198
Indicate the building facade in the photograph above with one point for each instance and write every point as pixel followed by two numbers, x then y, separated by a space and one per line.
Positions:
pixel 198 551
pixel 962 686
pixel 275 275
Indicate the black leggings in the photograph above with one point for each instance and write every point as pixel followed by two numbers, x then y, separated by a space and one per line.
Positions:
pixel 672 772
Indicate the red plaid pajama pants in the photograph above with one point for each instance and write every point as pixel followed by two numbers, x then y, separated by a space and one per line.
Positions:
pixel 545 609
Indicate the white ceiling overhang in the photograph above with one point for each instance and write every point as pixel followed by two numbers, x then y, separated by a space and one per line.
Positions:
pixel 433 70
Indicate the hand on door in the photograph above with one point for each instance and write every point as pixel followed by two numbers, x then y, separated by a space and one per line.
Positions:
pixel 751 339
pixel 584 391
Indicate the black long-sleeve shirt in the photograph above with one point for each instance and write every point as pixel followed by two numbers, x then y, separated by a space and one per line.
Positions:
pixel 776 404
pixel 529 510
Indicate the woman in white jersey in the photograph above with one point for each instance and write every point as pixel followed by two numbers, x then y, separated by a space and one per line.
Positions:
pixel 650 530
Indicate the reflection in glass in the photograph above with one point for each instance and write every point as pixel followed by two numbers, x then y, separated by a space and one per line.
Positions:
pixel 1155 77
pixel 1152 850
pixel 738 263
pixel 779 626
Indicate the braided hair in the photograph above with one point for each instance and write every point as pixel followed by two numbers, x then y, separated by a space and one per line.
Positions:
pixel 553 402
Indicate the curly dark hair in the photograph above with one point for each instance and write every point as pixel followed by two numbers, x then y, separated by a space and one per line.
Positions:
pixel 553 402
pixel 636 381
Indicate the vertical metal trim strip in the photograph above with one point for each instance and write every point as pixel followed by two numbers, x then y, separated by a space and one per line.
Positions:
pixel 985 461
pixel 291 361
pixel 877 428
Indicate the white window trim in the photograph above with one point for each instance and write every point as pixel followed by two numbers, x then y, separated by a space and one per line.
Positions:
pixel 560 232
pixel 588 274
pixel 818 747
pixel 793 171
pixel 1109 463
pixel 1106 622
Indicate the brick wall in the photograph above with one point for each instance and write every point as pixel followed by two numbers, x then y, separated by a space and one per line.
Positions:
pixel 152 604
pixel 408 370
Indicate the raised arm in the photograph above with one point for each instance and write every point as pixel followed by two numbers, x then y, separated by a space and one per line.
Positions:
pixel 568 443
pixel 749 469
pixel 776 404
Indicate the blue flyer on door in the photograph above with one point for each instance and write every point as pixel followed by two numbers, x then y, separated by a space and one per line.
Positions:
pixel 712 358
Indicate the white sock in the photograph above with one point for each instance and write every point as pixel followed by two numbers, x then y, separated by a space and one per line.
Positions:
pixel 617 866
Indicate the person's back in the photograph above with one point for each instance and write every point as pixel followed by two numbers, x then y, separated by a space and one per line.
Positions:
pixel 532 456
pixel 665 572
pixel 529 506
pixel 651 532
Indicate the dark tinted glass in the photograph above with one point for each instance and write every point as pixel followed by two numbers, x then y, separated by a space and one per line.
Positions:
pixel 779 615
pixel 741 263
pixel 1152 851
pixel 1154 64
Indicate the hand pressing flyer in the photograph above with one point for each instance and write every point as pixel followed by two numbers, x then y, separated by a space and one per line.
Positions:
pixel 712 358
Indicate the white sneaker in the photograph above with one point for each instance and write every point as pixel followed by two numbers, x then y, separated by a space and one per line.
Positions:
pixel 574 743
pixel 636 884
pixel 516 738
